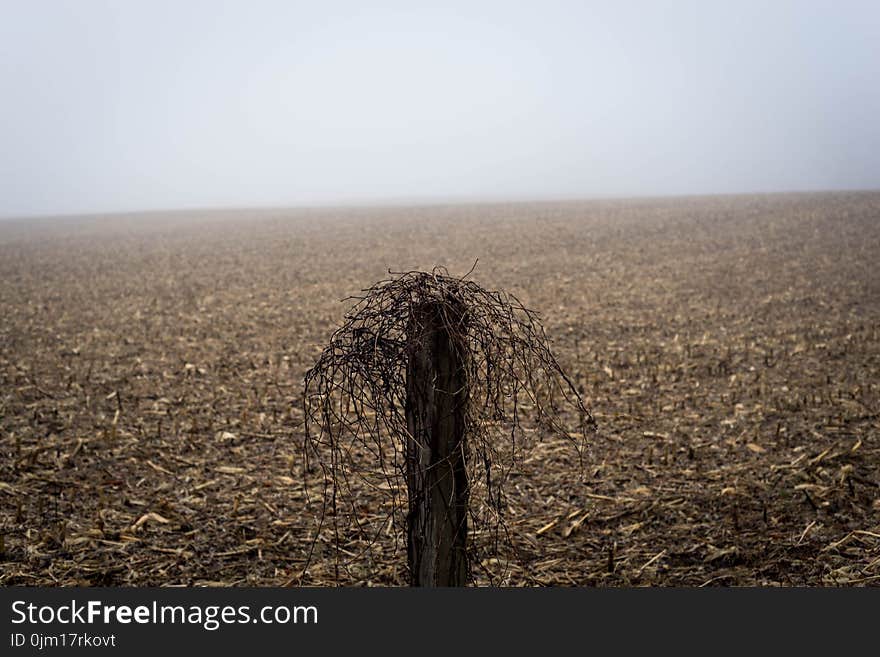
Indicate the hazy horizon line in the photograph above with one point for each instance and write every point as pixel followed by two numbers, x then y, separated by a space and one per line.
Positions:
pixel 427 201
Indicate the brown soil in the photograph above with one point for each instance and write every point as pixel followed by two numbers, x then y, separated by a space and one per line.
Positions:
pixel 151 370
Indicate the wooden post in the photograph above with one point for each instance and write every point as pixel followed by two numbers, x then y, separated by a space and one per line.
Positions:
pixel 435 450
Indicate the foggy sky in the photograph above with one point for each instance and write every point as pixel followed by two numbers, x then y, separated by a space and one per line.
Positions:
pixel 110 106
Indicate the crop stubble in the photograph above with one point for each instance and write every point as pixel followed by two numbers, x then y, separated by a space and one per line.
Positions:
pixel 729 347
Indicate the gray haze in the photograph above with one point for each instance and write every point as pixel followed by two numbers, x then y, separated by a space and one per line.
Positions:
pixel 112 106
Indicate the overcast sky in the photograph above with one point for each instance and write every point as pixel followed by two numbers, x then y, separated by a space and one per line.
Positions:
pixel 108 106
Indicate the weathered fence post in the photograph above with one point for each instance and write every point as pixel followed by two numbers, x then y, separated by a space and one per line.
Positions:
pixel 436 399
pixel 418 389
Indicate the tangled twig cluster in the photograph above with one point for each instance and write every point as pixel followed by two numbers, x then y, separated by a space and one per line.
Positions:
pixel 355 396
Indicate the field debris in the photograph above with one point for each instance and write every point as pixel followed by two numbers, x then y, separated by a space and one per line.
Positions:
pixel 151 373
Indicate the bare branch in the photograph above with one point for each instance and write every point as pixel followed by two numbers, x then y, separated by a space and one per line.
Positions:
pixel 354 399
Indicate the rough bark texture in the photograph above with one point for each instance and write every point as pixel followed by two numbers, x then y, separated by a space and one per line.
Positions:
pixel 435 455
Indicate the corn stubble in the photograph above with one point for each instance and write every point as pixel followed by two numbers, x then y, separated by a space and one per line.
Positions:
pixel 151 373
